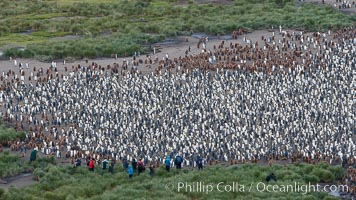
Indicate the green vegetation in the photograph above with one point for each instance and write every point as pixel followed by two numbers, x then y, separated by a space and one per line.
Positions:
pixel 8 134
pixel 77 28
pixel 11 165
pixel 64 182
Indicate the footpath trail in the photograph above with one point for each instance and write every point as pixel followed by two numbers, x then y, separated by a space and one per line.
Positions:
pixel 18 181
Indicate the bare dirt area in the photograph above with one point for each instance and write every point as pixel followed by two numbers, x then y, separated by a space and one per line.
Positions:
pixel 177 47
pixel 18 181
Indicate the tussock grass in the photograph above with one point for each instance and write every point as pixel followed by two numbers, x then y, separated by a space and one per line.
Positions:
pixel 62 182
pixel 11 165
pixel 132 19
pixel 8 134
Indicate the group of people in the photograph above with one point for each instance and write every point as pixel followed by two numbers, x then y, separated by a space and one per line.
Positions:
pixel 130 168
pixel 135 166
pixel 177 161
pixel 106 164
pixel 289 96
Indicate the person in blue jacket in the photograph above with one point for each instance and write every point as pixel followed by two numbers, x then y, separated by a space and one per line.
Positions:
pixel 125 164
pixel 167 162
pixel 130 171
pixel 178 162
pixel 200 163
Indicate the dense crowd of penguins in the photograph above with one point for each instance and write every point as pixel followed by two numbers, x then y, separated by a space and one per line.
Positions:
pixel 287 99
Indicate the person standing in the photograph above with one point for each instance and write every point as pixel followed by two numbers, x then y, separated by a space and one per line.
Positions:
pixel 152 169
pixel 200 163
pixel 91 164
pixel 105 163
pixel 130 171
pixel 33 155
pixel 178 162
pixel 167 162
pixel 134 164
pixel 141 166
pixel 77 162
pixel 111 166
pixel 125 164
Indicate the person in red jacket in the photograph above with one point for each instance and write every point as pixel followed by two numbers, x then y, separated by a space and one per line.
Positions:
pixel 91 164
pixel 141 167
